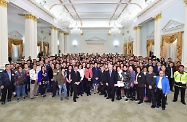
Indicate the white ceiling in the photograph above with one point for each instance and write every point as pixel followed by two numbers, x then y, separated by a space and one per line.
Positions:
pixel 85 11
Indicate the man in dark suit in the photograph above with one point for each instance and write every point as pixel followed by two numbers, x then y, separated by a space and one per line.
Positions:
pixel 171 69
pixel 96 73
pixel 103 81
pixel 76 78
pixel 6 83
pixel 111 82
pixel 69 80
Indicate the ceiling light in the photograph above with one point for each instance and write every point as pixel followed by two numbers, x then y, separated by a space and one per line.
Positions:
pixel 76 30
pixel 114 30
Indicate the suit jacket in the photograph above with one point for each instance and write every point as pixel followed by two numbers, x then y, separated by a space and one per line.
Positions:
pixel 103 77
pixel 96 73
pixel 141 79
pixel 111 80
pixel 4 79
pixel 75 77
pixel 169 71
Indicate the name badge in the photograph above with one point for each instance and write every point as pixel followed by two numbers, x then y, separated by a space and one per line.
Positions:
pixel 12 74
pixel 139 76
pixel 154 76
pixel 166 76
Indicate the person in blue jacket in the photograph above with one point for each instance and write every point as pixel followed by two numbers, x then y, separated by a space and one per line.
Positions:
pixel 42 80
pixel 96 77
pixel 162 89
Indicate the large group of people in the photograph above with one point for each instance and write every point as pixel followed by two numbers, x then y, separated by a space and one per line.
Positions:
pixel 114 76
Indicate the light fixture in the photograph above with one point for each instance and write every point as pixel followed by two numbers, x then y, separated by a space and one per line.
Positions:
pixel 116 43
pixel 115 29
pixel 76 30
pixel 74 43
pixel 41 2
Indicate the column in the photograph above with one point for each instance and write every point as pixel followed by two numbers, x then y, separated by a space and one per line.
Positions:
pixel 67 44
pixel 184 41
pixel 81 43
pixel 3 34
pixel 42 41
pixel 109 43
pixel 56 40
pixel 157 36
pixel 138 51
pixel 30 36
pixel 61 42
pixel 134 43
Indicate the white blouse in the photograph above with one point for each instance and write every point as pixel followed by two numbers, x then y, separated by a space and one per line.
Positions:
pixel 81 71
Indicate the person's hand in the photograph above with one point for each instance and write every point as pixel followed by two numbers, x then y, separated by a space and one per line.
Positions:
pixel 145 85
pixel 51 79
pixel 40 83
pixel 115 85
pixel 131 84
pixel 2 87
pixel 96 78
pixel 106 84
pixel 36 80
pixel 150 87
pixel 166 94
pixel 59 86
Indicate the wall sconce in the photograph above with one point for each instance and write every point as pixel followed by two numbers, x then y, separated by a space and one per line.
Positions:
pixel 116 43
pixel 74 43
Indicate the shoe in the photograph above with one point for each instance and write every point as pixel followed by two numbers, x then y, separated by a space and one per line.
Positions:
pixel 107 98
pixel 9 100
pixel 71 95
pixel 81 95
pixel 105 95
pixel 153 106
pixel 3 102
pixel 67 98
pixel 32 98
pixel 184 103
pixel 74 100
pixel 23 98
pixel 112 100
pixel 77 97
pixel 126 100
pixel 157 106
pixel 140 103
pixel 53 96
pixel 100 94
pixel 18 99
pixel 35 95
pixel 174 100
pixel 136 100
pixel 163 109
pixel 172 90
pixel 61 98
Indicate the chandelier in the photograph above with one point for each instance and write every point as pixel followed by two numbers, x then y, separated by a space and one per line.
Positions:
pixel 76 30
pixel 114 30
pixel 41 2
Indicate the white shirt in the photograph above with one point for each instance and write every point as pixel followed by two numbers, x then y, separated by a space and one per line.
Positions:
pixel 33 74
pixel 171 72
pixel 81 71
pixel 160 83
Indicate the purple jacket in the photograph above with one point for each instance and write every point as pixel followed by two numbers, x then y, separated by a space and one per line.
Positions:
pixel 133 76
pixel 40 76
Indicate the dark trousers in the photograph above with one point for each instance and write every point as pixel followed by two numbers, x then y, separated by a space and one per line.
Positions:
pixel 171 82
pixel 51 86
pixel 152 96
pixel 75 87
pixel 127 93
pixel 140 93
pixel 43 88
pixel 133 91
pixel 4 92
pixel 88 86
pixel 80 88
pixel 148 93
pixel 54 87
pixel 118 92
pixel 69 88
pixel 160 96
pixel 103 89
pixel 27 85
pixel 111 91
pixel 177 93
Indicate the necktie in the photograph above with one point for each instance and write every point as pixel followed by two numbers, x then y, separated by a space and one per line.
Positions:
pixel 110 73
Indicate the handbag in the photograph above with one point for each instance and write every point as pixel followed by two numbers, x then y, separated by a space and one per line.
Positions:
pixel 33 81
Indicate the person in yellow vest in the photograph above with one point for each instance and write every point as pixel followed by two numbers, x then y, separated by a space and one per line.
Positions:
pixel 180 84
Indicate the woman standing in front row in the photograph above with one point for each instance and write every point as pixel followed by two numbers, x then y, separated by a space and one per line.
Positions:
pixel 42 80
pixel 61 79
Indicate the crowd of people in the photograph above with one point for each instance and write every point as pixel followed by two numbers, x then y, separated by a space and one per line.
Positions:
pixel 114 76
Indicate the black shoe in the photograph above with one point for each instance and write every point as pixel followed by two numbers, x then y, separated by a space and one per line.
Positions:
pixel 153 106
pixel 107 98
pixel 174 100
pixel 77 97
pixel 81 95
pixel 3 102
pixel 140 103
pixel 53 96
pixel 74 100
pixel 32 98
pixel 18 99
pixel 158 106
pixel 71 95
pixel 23 98
pixel 112 100
pixel 100 94
pixel 126 100
pixel 61 98
pixel 184 103
pixel 105 95
pixel 146 101
pixel 172 90
pixel 9 100
pixel 163 109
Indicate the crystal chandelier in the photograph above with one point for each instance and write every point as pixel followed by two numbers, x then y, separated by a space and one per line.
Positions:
pixel 114 30
pixel 76 30
pixel 41 2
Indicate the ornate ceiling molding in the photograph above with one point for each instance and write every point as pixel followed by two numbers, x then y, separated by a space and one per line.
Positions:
pixel 95 38
pixel 15 35
pixel 172 25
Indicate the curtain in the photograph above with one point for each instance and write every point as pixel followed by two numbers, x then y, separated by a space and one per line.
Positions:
pixel 39 44
pixel 171 50
pixel 15 42
pixel 125 48
pixel 130 48
pixel 46 48
pixel 169 39
pixel 149 46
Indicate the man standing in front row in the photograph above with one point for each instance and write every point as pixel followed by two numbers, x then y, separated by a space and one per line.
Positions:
pixel 111 82
pixel 34 82
pixel 180 84
pixel 6 83
pixel 162 89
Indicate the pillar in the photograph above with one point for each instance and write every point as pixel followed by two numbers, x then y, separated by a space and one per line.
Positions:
pixel 67 43
pixel 52 43
pixel 42 41
pixel 109 43
pixel 56 49
pixel 138 40
pixel 184 41
pixel 134 43
pixel 61 42
pixel 157 36
pixel 3 34
pixel 30 36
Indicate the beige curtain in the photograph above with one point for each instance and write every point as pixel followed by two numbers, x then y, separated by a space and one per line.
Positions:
pixel 170 38
pixel 125 49
pixel 46 48
pixel 150 43
pixel 39 44
pixel 130 48
pixel 18 43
